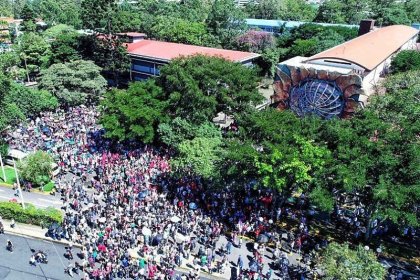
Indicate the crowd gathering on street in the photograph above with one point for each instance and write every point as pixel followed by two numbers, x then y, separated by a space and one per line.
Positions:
pixel 133 220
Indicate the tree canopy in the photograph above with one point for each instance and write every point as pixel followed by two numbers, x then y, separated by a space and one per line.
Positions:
pixel 339 262
pixel 37 168
pixel 199 87
pixel 73 82
pixel 134 113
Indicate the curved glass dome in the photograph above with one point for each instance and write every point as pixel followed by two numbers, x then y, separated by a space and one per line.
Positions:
pixel 319 97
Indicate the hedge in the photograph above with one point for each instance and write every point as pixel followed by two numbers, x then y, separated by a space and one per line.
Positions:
pixel 30 215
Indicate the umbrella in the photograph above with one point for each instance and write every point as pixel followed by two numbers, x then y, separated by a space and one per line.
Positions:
pixel 133 253
pixel 146 231
pixel 263 238
pixel 102 220
pixel 175 219
pixel 193 206
pixel 142 194
pixel 179 238
pixel 157 239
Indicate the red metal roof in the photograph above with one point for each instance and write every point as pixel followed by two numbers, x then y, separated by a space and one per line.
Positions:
pixel 166 51
pixel 370 49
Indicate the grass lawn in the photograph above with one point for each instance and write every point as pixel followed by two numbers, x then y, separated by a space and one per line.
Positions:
pixel 10 175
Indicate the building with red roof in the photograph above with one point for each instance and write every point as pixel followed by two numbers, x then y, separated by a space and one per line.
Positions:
pixel 335 82
pixel 148 55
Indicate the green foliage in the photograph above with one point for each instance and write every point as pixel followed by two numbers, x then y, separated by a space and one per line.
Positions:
pixel 65 47
pixel 199 156
pixel 34 52
pixel 48 187
pixel 225 22
pixel 127 20
pixel 111 55
pixel 58 11
pixel 339 262
pixel 74 82
pixel 31 101
pixel 199 87
pixel 178 130
pixel 31 214
pixel 57 30
pixel 4 149
pixel 287 168
pixel 309 39
pixel 134 113
pixel 285 10
pixel 405 61
pixel 98 14
pixel 36 168
pixel 179 31
pixel 28 16
pixel 352 11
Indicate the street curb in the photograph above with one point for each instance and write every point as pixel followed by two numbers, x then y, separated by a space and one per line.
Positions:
pixel 62 242
pixel 207 275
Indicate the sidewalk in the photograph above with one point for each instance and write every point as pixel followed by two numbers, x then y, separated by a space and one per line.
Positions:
pixel 31 231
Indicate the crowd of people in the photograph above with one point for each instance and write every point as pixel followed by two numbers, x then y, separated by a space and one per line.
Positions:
pixel 134 220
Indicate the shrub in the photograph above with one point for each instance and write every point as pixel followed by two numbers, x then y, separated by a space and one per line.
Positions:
pixel 30 215
pixel 36 168
pixel 406 61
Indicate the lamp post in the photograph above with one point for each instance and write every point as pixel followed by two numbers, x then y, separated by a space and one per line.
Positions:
pixel 18 184
pixel 2 168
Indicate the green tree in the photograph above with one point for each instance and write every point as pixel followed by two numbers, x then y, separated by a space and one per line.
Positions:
pixel 134 113
pixel 128 20
pixel 58 11
pixel 377 160
pixel 57 30
pixel 37 168
pixel 405 61
pixel 238 161
pixel 34 52
pixel 293 168
pixel 99 15
pixel 28 16
pixel 178 130
pixel 339 262
pixel 199 156
pixel 111 55
pixel 199 87
pixel 65 47
pixel 30 101
pixel 264 9
pixel 73 82
pixel 387 12
pixel 9 62
pixel 345 11
pixel 297 10
pixel 179 31
pixel 225 22
pixel 306 47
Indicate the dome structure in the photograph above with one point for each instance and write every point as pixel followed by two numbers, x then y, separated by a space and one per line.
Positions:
pixel 316 97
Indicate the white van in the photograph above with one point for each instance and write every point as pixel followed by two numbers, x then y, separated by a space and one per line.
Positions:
pixel 18 155
pixel 15 155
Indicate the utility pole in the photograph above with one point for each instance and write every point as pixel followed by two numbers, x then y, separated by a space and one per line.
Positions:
pixel 2 168
pixel 18 184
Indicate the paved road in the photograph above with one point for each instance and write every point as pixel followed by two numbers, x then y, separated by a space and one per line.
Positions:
pixel 15 265
pixel 39 200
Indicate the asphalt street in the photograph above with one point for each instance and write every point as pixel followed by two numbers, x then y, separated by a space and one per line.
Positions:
pixel 39 200
pixel 15 265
